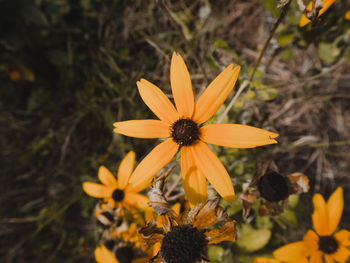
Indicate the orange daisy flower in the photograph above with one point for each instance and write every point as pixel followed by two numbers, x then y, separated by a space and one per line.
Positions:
pixel 183 130
pixel 325 5
pixel 118 193
pixel 324 241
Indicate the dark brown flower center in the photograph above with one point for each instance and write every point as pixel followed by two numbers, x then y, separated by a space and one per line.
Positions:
pixel 273 187
pixel 118 195
pixel 124 254
pixel 327 244
pixel 184 244
pixel 185 132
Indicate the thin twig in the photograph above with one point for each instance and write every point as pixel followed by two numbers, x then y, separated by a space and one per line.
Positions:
pixel 172 187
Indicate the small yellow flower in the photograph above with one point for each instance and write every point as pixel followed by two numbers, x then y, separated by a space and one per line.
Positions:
pixel 324 241
pixel 347 15
pixel 118 193
pixel 122 254
pixel 325 5
pixel 184 130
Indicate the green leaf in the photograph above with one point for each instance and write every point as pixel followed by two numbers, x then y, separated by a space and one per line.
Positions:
pixel 271 6
pixel 285 38
pixel 264 222
pixel 266 92
pixel 216 253
pixel 33 14
pixel 286 55
pixel 254 240
pixel 328 52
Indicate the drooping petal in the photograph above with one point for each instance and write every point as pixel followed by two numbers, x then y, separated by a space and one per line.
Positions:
pixel 215 95
pixel 97 190
pixel 106 177
pixel 152 164
pixel 181 86
pixel 194 183
pixel 136 200
pixel 157 101
pixel 225 233
pixel 236 135
pixel 103 255
pixel 316 257
pixel 292 252
pixel 143 128
pixel 335 205
pixel 342 254
pixel 125 169
pixel 343 237
pixel 326 4
pixel 209 165
pixel 320 215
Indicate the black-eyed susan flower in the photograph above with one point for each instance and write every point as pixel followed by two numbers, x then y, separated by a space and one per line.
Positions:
pixel 118 254
pixel 325 5
pixel 274 187
pixel 117 193
pixel 185 238
pixel 324 241
pixel 182 128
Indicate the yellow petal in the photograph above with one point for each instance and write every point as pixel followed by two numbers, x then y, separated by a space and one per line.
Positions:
pixel 106 177
pixel 320 216
pixel 316 257
pixel 194 183
pixel 136 200
pixel 125 169
pixel 341 255
pixel 143 128
pixel 103 255
pixel 152 164
pixel 266 260
pixel 209 165
pixel 343 237
pixel 97 190
pixel 311 239
pixel 181 86
pixel 236 135
pixel 157 101
pixel 292 252
pixel 215 95
pixel 335 205
pixel 328 258
pixel 325 5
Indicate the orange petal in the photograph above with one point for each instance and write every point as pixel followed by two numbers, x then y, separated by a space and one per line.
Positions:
pixel 106 177
pixel 343 237
pixel 320 216
pixel 209 165
pixel 311 239
pixel 152 164
pixel 97 190
pixel 335 205
pixel 328 258
pixel 316 257
pixel 157 101
pixel 266 260
pixel 341 255
pixel 103 255
pixel 125 169
pixel 215 95
pixel 326 4
pixel 292 252
pixel 181 86
pixel 143 128
pixel 194 183
pixel 236 135
pixel 136 200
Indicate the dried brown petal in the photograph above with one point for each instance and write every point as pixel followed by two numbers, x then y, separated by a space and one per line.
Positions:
pixel 149 235
pixel 225 233
pixel 210 213
pixel 299 183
